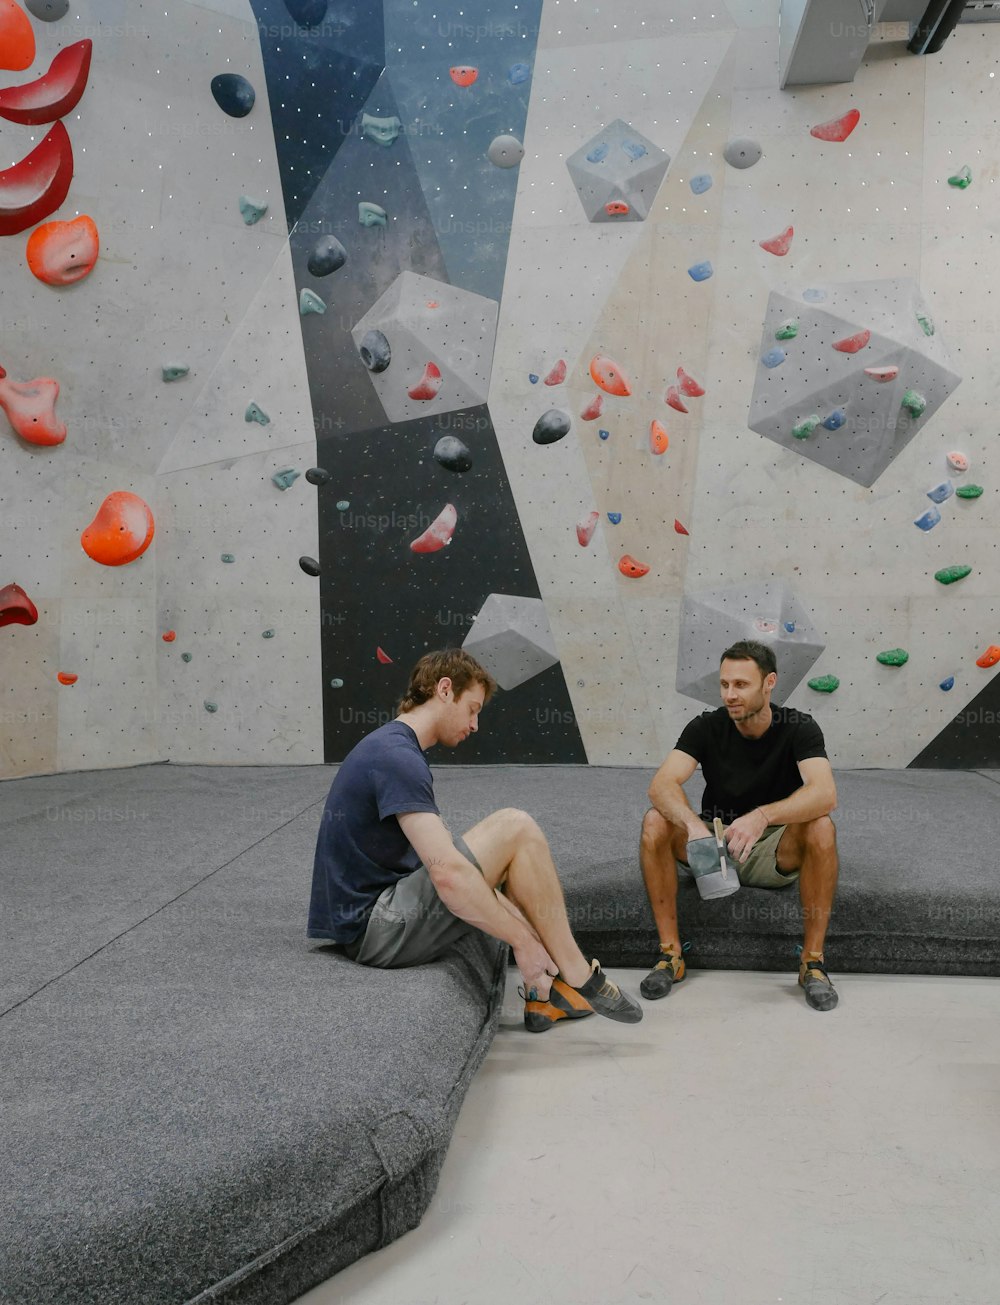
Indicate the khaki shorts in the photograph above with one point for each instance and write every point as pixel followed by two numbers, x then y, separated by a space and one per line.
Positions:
pixel 760 869
pixel 409 924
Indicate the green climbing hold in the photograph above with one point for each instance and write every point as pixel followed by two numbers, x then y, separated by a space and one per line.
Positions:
pixel 804 428
pixel 787 330
pixel 949 574
pixel 256 413
pixel 342 505
pixel 825 684
pixel 894 657
pixel 310 302
pixel 336 684
pixel 211 706
pixel 186 657
pixel 371 215
pixel 383 131
pixel 914 403
pixel 969 491
pixel 267 634
pixel 926 325
pixel 229 557
pixel 962 179
pixel 174 371
pixel 286 477
pixel 252 209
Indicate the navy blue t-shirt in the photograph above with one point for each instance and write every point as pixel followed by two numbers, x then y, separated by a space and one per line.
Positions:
pixel 361 848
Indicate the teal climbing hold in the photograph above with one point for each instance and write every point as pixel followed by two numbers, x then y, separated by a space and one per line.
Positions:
pixel 787 330
pixel 255 413
pixel 336 684
pixel 310 302
pixel 926 324
pixel 211 706
pixel 229 557
pixel 342 505
pixel 174 371
pixel 804 428
pixel 825 684
pixel 962 179
pixel 969 491
pixel 371 215
pixel 286 477
pixel 914 403
pixel 949 574
pixel 186 657
pixel 383 131
pixel 267 634
pixel 252 209
pixel 893 657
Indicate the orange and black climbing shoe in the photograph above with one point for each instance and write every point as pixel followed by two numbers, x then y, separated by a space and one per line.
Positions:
pixel 668 970
pixel 564 1003
pixel 815 982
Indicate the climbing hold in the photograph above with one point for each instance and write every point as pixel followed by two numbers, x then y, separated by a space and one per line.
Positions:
pixel 518 73
pixel 673 398
pixel 383 657
pixel 310 302
pixel 990 657
pixel 227 557
pixel 452 454
pixel 928 520
pixel 551 426
pixel 371 215
pixel 804 428
pixel 463 75
pixel 533 377
pixel 837 128
pixel 893 657
pixel 256 413
pixel 327 256
pixel 428 385
pixel 659 442
pixel 852 343
pixel 383 131
pixel 558 373
pixel 318 476
pixel 958 462
pixel 53 95
pixel 121 531
pixel 628 566
pixel 634 149
pixel 375 352
pixel 680 529
pixel 949 574
pixel 211 706
pixel 593 409
pixel 17 39
pixel 599 153
pixel 252 210
pixel 66 677
pixel 438 534
pixel 31 409
pixel 174 371
pixel 787 330
pixel 926 324
pixel 604 434
pixel 688 385
pixel 701 183
pixel 608 375
pixel 585 528
pixel 310 13
pixel 789 626
pixel 700 271
pixel 824 684
pixel 814 295
pixel 774 357
pixel 288 476
pixel 36 185
pixel 836 419
pixel 913 402
pixel 742 153
pixel 615 518
pixel 61 253
pixel 779 245
pixel 882 374
pixel 616 208
pixel 186 657
pixel 969 491
pixel 961 180
pixel 940 492
pixel 309 565
pixel 505 151
pixel 947 684
pixel 336 684
pixel 342 504
pixel 169 636
pixel 49 11
pixel 233 94
pixel 16 608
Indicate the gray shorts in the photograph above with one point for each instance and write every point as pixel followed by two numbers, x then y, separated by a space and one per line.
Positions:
pixel 409 923
pixel 760 869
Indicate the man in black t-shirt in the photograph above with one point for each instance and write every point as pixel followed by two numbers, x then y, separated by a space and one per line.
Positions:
pixel 768 779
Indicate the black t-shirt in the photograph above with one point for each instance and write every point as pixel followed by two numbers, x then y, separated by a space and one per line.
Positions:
pixel 742 773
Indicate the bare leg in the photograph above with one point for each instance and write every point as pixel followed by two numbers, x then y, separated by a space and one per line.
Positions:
pixel 660 847
pixel 811 848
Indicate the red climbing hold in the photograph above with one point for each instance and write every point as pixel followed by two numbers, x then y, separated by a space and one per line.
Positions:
pixel 31 408
pixel 585 528
pixel 627 565
pixel 837 128
pixel 66 677
pixel 674 399
pixel 428 385
pixel 53 95
pixel 658 440
pixel 60 253
pixel 16 608
pixel 688 385
pixel 616 208
pixel 882 373
pixel 121 531
pixel 852 343
pixel 608 375
pixel 779 245
pixel 383 657
pixel 438 533
pixel 17 39
pixel 558 373
pixel 463 75
pixel 593 409
pixel 35 187
pixel 679 529
pixel 170 636
pixel 990 657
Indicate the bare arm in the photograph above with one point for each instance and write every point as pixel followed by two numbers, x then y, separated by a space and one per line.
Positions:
pixel 667 795
pixel 817 797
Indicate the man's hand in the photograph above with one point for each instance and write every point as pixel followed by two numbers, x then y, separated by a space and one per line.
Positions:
pixel 744 832
pixel 537 967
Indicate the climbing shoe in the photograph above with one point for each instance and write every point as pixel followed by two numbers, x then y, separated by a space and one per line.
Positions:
pixel 564 1003
pixel 815 983
pixel 667 971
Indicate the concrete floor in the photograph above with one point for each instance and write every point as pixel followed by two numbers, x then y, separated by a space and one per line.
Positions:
pixel 735 1148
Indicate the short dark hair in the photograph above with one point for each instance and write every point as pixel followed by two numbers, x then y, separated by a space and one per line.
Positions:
pixel 457 665
pixel 750 650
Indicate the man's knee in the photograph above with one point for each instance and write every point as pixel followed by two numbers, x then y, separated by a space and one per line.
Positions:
pixel 655 826
pixel 518 823
pixel 820 835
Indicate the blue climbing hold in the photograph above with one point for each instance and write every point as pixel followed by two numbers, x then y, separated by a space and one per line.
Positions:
pixel 286 477
pixel 309 13
pixel 928 520
pixel 774 358
pixel 790 626
pixel 604 434
pixel 533 378
pixel 375 351
pixel 519 72
pixel 599 153
pixel 233 94
pixel 701 183
pixel 940 492
pixel 947 684
pixel 814 296
pixel 701 271
pixel 634 149
pixel 327 256
pixel 614 518
pixel 836 419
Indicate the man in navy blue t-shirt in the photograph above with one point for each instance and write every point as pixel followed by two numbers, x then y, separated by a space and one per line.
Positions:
pixel 393 888
pixel 768 779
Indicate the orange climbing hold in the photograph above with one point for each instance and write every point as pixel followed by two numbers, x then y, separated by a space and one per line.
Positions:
pixel 60 253
pixel 852 343
pixel 463 75
pixel 17 39
pixel 16 608
pixel 674 399
pixel 608 376
pixel 688 385
pixel 170 636
pixel 990 657
pixel 428 385
pixel 31 408
pixel 438 534
pixel 779 245
pixel 658 439
pixel 383 657
pixel 593 409
pixel 627 565
pixel 67 677
pixel 616 208
pixel 585 528
pixel 882 374
pixel 53 95
pixel 121 531
pixel 679 529
pixel 37 184
pixel 837 128
pixel 558 373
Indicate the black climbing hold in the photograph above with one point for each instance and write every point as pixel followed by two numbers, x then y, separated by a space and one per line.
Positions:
pixel 309 565
pixel 328 254
pixel 452 454
pixel 310 13
pixel 233 94
pixel 375 351
pixel 318 476
pixel 551 426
